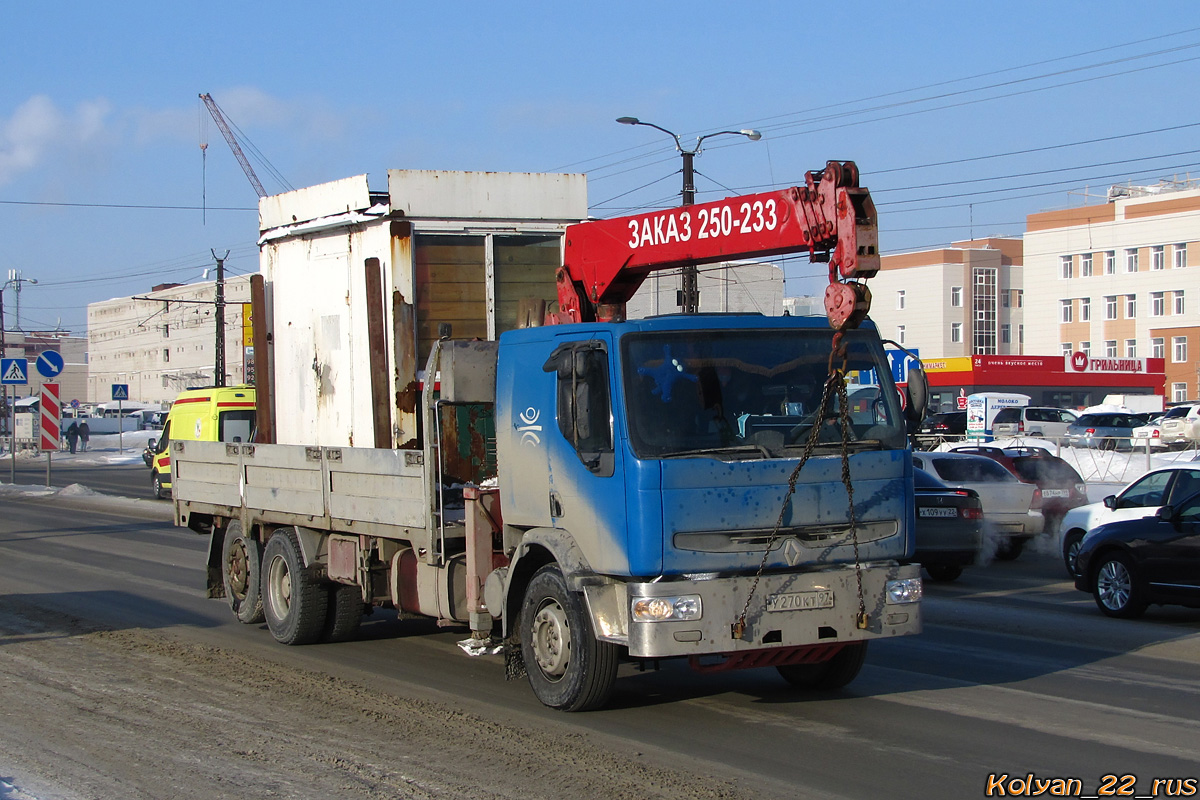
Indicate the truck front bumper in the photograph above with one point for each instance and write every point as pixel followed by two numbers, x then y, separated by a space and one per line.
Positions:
pixel 785 610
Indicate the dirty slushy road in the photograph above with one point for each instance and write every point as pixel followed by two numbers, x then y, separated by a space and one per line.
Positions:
pixel 120 678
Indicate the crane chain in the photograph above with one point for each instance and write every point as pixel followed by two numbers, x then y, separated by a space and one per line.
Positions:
pixel 834 382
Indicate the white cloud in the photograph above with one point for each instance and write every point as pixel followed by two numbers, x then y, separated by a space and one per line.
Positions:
pixel 38 129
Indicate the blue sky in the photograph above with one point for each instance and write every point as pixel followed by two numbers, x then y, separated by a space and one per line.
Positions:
pixel 102 179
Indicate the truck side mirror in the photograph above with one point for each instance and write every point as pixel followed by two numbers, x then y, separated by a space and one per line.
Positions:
pixel 918 397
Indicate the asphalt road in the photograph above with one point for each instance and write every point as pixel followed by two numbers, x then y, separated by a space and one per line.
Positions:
pixel 1016 673
pixel 125 480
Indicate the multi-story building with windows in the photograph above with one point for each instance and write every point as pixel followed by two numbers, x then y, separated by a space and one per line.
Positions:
pixel 164 341
pixel 724 288
pixel 1120 280
pixel 961 300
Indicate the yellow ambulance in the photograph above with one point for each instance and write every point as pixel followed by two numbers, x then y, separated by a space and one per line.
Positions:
pixel 223 414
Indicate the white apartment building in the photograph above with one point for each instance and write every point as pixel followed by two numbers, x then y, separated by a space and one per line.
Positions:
pixel 961 300
pixel 1120 279
pixel 724 288
pixel 164 341
pixel 806 305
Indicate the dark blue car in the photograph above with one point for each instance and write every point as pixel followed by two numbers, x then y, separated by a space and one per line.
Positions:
pixel 1129 564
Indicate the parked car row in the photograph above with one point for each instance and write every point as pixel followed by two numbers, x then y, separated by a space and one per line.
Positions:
pixel 1131 550
pixel 1179 426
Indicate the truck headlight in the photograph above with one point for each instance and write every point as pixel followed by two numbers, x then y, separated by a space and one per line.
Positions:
pixel 905 590
pixel 666 609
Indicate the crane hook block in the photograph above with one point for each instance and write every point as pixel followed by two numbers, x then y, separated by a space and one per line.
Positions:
pixel 846 304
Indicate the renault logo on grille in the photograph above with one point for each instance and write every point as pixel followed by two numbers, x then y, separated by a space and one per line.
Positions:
pixel 792 552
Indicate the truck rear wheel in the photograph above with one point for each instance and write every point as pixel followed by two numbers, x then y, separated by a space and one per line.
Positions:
pixel 241 565
pixel 828 675
pixel 294 602
pixel 568 668
pixel 345 613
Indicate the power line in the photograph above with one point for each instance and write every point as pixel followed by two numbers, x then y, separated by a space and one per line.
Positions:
pixel 122 205
pixel 765 120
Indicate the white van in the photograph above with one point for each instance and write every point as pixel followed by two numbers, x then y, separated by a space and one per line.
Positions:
pixel 1044 421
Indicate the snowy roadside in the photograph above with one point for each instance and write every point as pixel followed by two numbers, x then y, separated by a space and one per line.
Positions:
pixel 107 449
pixel 102 451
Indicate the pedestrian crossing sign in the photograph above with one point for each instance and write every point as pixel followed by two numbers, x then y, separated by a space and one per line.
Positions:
pixel 14 371
pixel 120 391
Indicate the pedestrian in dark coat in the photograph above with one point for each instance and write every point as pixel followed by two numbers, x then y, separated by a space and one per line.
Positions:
pixel 85 433
pixel 72 436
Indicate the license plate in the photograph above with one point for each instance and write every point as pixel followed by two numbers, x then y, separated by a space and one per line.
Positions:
pixel 1056 492
pixel 1142 434
pixel 801 601
pixel 937 512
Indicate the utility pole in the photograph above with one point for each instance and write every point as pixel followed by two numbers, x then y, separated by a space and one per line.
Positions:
pixel 219 369
pixel 689 284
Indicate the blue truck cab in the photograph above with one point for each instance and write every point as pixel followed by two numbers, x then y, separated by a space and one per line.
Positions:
pixel 646 466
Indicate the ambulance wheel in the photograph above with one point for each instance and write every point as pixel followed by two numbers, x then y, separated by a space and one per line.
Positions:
pixel 160 492
pixel 569 669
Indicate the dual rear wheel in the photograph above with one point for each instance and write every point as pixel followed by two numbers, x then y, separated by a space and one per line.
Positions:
pixel 271 583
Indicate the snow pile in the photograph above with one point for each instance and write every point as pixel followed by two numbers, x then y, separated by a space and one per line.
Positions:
pixel 125 448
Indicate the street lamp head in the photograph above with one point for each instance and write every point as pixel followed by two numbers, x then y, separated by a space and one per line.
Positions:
pixel 751 134
pixel 628 120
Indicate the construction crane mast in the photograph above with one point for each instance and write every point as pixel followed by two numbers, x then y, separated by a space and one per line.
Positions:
pixel 219 118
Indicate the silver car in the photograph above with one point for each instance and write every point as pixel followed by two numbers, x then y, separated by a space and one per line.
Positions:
pixel 1180 425
pixel 1011 509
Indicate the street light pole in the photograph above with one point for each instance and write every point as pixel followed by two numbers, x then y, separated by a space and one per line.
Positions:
pixel 15 280
pixel 689 289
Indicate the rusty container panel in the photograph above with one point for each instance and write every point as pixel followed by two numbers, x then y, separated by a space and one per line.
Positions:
pixel 468 442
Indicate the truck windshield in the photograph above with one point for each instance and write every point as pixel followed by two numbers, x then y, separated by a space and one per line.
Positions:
pixel 750 394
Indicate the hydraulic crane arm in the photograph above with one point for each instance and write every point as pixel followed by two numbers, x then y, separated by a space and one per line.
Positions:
pixel 831 217
pixel 219 118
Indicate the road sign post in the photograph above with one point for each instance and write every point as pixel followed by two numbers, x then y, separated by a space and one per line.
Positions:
pixel 50 408
pixel 120 393
pixel 13 372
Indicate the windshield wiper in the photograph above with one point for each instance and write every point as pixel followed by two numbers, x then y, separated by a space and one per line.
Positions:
pixel 855 444
pixel 730 449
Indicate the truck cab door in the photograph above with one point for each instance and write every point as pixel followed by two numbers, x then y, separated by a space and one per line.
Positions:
pixel 587 489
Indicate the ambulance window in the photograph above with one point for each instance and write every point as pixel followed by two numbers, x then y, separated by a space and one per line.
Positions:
pixel 235 426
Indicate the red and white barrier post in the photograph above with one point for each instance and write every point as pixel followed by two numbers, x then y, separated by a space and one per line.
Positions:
pixel 51 419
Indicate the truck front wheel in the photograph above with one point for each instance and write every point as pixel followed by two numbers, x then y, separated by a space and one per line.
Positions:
pixel 828 675
pixel 241 563
pixel 294 602
pixel 568 668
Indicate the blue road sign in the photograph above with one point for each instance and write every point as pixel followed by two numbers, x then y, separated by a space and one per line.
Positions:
pixel 50 363
pixel 120 391
pixel 14 371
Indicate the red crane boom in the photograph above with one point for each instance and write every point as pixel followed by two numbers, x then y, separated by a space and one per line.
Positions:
pixel 831 217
